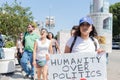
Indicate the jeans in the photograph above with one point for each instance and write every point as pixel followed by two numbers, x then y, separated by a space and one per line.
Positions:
pixel 2 55
pixel 27 58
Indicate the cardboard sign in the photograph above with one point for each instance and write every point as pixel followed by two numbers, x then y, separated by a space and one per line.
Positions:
pixel 77 66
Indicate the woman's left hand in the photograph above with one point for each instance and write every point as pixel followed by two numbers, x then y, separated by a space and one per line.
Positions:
pixel 47 57
pixel 100 50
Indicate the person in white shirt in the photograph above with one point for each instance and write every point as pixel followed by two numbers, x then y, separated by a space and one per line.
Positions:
pixel 84 39
pixel 19 47
pixel 42 49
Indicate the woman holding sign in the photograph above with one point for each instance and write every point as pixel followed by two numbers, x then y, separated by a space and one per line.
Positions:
pixel 42 48
pixel 84 40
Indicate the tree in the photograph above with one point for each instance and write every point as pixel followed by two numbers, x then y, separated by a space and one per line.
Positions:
pixel 115 10
pixel 14 19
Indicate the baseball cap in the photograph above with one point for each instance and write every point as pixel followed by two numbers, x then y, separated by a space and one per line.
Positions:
pixel 86 19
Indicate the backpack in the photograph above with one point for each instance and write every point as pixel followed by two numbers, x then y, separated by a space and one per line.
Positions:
pixel 75 40
pixel 24 39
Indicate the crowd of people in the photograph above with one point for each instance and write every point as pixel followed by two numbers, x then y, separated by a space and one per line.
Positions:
pixel 33 51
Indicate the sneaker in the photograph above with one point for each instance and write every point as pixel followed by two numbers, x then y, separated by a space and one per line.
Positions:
pixel 26 76
pixel 32 78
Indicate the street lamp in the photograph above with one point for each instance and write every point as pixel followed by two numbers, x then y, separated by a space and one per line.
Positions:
pixel 50 22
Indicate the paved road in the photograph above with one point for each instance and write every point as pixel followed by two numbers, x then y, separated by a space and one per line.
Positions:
pixel 113 69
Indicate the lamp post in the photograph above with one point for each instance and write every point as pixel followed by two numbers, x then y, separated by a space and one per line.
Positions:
pixel 50 22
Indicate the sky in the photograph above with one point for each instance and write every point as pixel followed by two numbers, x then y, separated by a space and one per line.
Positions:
pixel 67 13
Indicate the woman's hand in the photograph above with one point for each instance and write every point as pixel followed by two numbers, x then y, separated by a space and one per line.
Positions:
pixel 47 57
pixel 100 50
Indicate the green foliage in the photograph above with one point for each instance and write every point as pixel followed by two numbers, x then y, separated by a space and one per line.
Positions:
pixel 115 10
pixel 14 18
pixel 9 44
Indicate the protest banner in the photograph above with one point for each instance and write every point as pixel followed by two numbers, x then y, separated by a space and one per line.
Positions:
pixel 77 66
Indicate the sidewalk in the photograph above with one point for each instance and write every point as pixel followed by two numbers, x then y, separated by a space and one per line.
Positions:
pixel 113 70
pixel 17 75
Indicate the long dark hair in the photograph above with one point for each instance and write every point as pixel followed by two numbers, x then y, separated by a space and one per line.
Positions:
pixel 50 33
pixel 93 33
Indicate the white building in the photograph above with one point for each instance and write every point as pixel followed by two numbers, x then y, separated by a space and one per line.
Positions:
pixel 99 12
